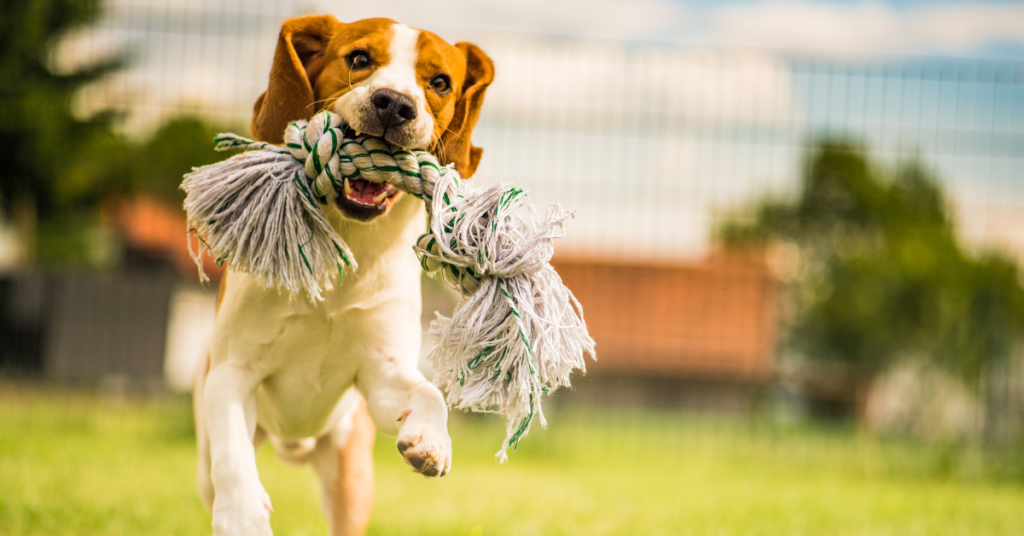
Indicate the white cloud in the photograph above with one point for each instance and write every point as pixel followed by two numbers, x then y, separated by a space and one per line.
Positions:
pixel 866 27
pixel 805 25
pixel 963 26
pixel 649 145
pixel 538 81
pixel 809 26
pixel 610 18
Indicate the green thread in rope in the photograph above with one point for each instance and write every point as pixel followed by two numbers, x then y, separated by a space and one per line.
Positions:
pixel 304 259
pixel 523 426
pixel 479 359
pixel 302 188
pixel 519 318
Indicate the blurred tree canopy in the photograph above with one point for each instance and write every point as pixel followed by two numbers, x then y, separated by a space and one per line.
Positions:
pixel 880 273
pixel 111 165
pixel 38 133
pixel 59 166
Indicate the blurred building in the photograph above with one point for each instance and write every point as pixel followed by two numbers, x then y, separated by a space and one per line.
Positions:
pixel 138 325
pixel 86 327
pixel 697 334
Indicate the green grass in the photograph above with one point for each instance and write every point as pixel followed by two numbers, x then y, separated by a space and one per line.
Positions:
pixel 72 464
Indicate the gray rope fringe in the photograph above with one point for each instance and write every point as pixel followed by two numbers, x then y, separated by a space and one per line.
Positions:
pixel 518 332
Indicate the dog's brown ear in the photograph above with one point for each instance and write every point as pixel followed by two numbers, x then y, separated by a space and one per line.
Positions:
pixel 298 61
pixel 455 142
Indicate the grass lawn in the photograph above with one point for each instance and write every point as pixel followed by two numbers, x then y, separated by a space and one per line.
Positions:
pixel 72 464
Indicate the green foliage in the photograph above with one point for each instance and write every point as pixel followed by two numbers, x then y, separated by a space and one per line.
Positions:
pixel 109 165
pixel 39 134
pixel 180 144
pixel 882 274
pixel 62 166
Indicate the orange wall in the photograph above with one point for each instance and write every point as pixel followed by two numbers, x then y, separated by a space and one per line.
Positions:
pixel 714 319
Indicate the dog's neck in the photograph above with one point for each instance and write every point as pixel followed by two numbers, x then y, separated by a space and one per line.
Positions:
pixel 387 239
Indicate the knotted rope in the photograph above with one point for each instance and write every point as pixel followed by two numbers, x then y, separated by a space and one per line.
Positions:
pixel 517 333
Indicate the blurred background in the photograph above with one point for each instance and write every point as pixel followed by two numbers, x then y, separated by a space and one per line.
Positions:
pixel 798 243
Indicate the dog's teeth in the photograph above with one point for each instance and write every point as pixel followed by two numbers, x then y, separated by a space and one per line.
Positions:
pixel 348 188
pixel 358 133
pixel 379 198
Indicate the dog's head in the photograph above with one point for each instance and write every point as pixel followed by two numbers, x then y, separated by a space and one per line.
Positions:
pixel 408 87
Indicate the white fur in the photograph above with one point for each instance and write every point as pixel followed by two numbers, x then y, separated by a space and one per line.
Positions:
pixel 400 75
pixel 281 364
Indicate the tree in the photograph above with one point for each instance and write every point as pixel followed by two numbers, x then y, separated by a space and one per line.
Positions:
pixel 62 167
pixel 39 135
pixel 882 273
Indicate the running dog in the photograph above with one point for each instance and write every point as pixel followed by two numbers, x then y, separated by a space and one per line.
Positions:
pixel 315 378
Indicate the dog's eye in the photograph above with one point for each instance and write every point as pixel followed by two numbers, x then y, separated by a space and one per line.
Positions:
pixel 358 59
pixel 441 83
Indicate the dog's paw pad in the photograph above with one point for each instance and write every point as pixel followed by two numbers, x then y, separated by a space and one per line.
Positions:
pixel 427 453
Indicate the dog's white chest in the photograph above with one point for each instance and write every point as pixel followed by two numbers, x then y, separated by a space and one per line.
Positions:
pixel 321 355
pixel 308 353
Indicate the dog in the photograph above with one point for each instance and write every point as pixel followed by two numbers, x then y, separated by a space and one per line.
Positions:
pixel 317 378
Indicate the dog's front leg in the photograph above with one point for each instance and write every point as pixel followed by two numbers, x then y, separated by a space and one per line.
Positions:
pixel 240 506
pixel 402 401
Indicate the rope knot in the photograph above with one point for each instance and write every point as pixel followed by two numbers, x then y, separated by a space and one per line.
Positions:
pixel 329 158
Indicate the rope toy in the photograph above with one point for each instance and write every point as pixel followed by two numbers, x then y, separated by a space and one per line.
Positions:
pixel 517 333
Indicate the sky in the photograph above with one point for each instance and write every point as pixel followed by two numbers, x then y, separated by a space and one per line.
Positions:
pixel 992 29
pixel 838 27
pixel 652 118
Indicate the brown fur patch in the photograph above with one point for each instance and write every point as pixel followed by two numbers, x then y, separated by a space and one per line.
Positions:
pixel 310 72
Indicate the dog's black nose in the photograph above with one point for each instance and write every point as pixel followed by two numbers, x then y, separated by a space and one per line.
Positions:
pixel 393 108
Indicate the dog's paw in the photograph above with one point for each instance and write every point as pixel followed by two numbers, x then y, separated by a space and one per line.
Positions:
pixel 428 449
pixel 242 513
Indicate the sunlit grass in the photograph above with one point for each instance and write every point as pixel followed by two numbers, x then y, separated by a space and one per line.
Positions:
pixel 74 464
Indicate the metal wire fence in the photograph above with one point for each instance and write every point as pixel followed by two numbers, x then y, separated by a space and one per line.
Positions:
pixel 763 239
pixel 655 145
pixel 651 141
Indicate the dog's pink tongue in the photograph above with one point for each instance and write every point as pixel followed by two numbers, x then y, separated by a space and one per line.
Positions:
pixel 364 191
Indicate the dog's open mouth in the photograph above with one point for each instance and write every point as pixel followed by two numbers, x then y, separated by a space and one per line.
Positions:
pixel 367 194
pixel 363 200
